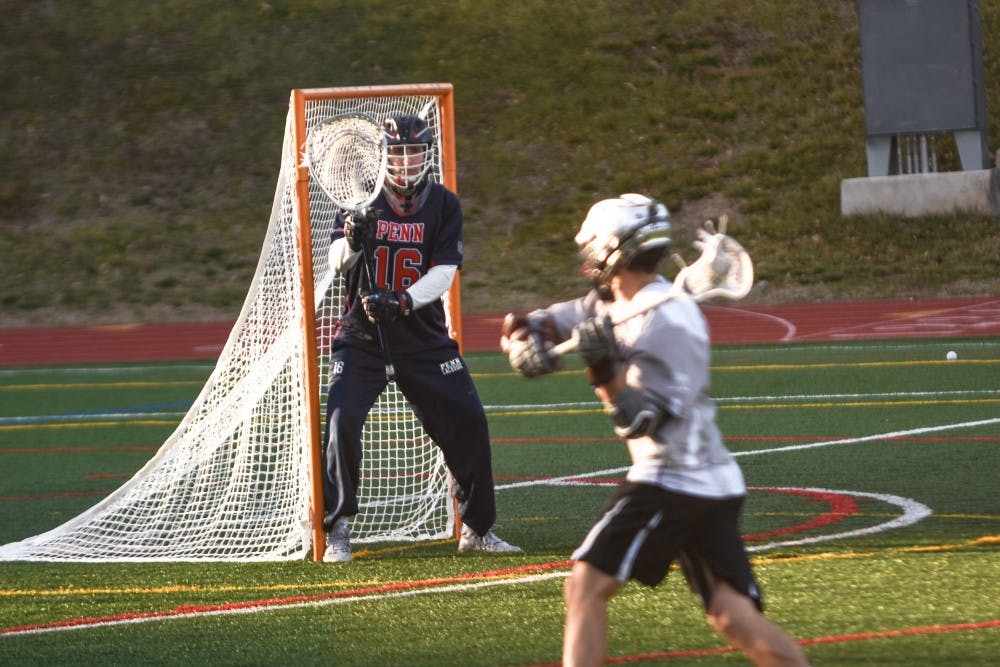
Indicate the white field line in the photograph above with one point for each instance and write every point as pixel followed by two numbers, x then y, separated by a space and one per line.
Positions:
pixel 771 450
pixel 879 436
pixel 291 605
pixel 919 344
pixel 89 417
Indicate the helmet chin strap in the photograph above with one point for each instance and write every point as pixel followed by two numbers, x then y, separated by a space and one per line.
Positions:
pixel 599 285
pixel 604 291
pixel 406 204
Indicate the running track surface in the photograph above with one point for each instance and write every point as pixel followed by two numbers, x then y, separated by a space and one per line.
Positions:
pixel 791 323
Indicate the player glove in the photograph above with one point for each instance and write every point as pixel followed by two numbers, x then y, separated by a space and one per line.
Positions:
pixel 359 227
pixel 528 340
pixel 387 306
pixel 599 350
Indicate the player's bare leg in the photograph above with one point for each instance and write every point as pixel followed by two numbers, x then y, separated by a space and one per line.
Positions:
pixel 587 593
pixel 737 618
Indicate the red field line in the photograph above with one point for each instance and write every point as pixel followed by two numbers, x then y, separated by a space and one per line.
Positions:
pixel 840 507
pixel 917 318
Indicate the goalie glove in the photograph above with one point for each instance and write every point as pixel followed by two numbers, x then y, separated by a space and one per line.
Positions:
pixel 527 340
pixel 385 307
pixel 599 350
pixel 359 227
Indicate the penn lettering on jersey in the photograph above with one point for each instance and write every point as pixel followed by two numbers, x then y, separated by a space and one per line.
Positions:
pixel 406 232
pixel 449 367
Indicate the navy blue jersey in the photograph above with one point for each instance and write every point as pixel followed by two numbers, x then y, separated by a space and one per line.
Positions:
pixel 405 247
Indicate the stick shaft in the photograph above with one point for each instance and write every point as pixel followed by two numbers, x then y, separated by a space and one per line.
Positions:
pixel 572 342
pixel 390 368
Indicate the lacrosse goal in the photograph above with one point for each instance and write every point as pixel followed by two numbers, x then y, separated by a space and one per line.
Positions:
pixel 240 477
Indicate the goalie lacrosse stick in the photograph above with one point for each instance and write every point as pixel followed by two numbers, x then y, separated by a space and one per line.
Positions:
pixel 347 157
pixel 723 270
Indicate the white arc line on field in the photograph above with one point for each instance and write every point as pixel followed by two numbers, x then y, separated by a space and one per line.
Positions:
pixel 790 448
pixel 912 513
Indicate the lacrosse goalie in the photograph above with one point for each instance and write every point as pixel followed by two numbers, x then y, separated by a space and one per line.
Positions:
pixel 415 227
pixel 646 351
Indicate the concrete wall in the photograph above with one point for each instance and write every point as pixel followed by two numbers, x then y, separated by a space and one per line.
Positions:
pixel 915 195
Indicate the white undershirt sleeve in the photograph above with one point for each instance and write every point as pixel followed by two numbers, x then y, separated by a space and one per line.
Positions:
pixel 342 258
pixel 432 285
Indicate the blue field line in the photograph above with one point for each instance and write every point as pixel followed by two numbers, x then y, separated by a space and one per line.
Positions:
pixel 101 370
pixel 157 410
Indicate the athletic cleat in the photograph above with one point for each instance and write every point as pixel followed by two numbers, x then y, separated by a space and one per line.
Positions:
pixel 488 543
pixel 338 542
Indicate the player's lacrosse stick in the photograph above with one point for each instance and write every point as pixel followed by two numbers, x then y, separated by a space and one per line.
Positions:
pixel 723 270
pixel 347 157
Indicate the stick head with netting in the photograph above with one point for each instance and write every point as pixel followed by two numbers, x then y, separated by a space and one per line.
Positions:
pixel 346 155
pixel 723 270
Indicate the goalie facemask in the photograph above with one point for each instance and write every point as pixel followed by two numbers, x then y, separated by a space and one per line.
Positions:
pixel 617 230
pixel 408 144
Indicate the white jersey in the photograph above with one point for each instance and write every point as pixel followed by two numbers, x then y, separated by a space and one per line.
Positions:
pixel 667 351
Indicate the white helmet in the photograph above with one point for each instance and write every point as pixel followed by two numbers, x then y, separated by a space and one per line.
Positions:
pixel 616 230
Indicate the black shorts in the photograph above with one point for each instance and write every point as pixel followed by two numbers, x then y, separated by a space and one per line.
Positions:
pixel 643 529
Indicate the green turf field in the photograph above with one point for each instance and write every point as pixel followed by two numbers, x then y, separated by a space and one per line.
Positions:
pixel 873 516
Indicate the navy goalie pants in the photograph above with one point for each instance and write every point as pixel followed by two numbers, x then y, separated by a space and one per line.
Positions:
pixel 439 388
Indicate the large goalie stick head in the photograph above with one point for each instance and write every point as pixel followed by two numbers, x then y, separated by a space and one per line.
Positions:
pixel 346 156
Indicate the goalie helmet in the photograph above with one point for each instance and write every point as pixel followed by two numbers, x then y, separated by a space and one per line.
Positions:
pixel 408 141
pixel 617 230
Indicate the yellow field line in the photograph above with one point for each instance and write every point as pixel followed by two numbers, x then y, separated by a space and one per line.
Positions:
pixel 540 413
pixel 986 539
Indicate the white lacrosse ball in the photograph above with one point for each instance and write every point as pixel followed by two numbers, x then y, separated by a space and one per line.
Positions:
pixel 951 356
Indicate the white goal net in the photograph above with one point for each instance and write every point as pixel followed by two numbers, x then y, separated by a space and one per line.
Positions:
pixel 236 480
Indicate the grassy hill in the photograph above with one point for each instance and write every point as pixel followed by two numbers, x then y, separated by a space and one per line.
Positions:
pixel 141 143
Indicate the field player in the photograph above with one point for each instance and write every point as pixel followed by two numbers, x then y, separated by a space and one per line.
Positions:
pixel 414 232
pixel 683 494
